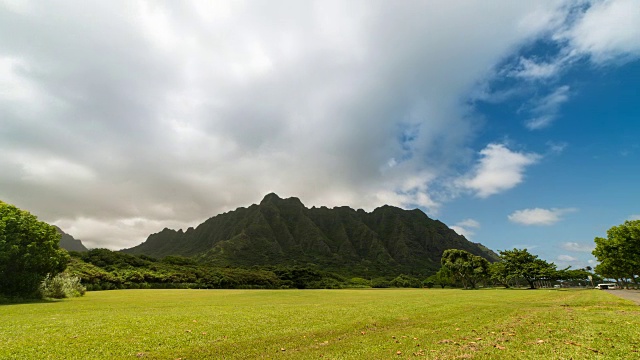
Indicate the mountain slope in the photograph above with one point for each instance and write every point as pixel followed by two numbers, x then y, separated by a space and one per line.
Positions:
pixel 283 231
pixel 68 242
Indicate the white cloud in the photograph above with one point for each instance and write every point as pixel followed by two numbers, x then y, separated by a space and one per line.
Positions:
pixel 530 70
pixel 538 216
pixel 603 31
pixel 499 169
pixel 634 217
pixel 566 258
pixel 556 148
pixel 469 223
pixel 466 227
pixel 540 122
pixel 578 247
pixel 552 102
pixel 607 31
pixel 546 109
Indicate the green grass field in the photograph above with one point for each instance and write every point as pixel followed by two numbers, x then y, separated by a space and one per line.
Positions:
pixel 328 324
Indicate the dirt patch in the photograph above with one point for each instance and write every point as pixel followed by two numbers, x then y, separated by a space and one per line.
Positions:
pixel 633 295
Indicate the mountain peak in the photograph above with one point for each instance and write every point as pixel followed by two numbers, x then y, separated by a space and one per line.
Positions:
pixel 273 198
pixel 270 197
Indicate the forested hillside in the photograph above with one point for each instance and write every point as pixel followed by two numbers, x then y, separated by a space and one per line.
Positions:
pixel 277 231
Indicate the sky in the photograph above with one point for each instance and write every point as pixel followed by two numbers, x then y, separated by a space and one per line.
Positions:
pixel 514 122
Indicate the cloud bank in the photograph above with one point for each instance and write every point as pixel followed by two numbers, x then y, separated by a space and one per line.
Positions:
pixel 120 118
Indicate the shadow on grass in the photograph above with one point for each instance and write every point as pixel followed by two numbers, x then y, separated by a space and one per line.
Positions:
pixel 4 301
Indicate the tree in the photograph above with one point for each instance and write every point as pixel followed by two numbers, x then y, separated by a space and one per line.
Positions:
pixel 466 267
pixel 29 251
pixel 619 253
pixel 520 263
pixel 442 278
pixel 500 274
pixel 574 276
pixel 405 281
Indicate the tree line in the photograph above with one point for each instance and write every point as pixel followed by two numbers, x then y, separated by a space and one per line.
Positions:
pixel 515 267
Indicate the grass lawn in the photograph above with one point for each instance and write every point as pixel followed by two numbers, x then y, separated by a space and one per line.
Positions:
pixel 328 324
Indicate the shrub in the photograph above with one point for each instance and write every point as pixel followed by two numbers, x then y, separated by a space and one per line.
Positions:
pixel 428 284
pixel 405 281
pixel 61 286
pixel 357 282
pixel 380 283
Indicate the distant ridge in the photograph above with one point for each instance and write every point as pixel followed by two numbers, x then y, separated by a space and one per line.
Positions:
pixel 285 232
pixel 68 243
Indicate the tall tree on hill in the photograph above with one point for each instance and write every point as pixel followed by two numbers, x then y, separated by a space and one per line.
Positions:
pixel 619 253
pixel 521 263
pixel 468 268
pixel 29 250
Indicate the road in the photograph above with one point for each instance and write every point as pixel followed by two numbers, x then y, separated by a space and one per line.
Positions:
pixel 633 295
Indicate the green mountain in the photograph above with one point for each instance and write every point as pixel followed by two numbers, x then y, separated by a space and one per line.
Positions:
pixel 284 232
pixel 67 242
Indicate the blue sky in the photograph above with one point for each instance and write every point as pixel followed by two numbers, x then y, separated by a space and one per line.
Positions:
pixel 590 161
pixel 516 123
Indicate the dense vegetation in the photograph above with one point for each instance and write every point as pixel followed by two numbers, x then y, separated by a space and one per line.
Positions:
pixel 102 269
pixel 29 252
pixel 283 232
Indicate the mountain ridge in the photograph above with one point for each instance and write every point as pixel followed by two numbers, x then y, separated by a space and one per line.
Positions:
pixel 283 231
pixel 70 243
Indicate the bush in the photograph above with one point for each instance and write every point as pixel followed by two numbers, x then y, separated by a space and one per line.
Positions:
pixel 380 283
pixel 357 282
pixel 405 281
pixel 29 250
pixel 61 286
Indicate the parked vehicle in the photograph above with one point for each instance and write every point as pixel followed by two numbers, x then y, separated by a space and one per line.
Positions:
pixel 606 286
